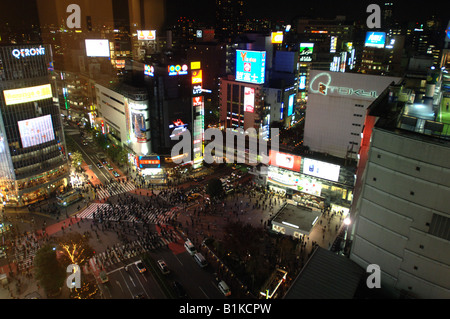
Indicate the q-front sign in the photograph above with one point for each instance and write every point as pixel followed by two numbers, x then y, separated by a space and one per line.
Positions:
pixel 321 84
pixel 21 53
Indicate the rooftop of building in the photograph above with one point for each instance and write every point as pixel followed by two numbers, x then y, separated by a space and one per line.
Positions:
pixel 299 217
pixel 405 110
pixel 327 275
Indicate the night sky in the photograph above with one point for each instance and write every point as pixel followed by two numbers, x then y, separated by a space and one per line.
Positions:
pixel 22 12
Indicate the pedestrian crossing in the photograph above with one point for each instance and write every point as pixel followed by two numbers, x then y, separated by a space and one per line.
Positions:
pixel 159 216
pixel 113 189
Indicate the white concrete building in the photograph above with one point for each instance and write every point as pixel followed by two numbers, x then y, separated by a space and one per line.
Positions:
pixel 336 109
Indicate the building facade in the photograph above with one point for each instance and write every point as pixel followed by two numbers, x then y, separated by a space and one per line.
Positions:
pixel 33 157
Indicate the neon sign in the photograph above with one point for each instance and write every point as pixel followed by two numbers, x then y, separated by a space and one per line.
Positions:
pixel 325 88
pixel 18 53
pixel 177 69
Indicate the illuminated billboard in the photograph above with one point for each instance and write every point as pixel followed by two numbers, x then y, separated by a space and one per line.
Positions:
pixel 120 64
pixel 146 34
pixel 277 37
pixel 28 94
pixel 197 101
pixel 195 65
pixel 249 99
pixel 149 162
pixel 321 169
pixel 197 77
pixel 302 82
pixel 375 39
pixel 250 66
pixel 97 48
pixel 177 69
pixel 291 105
pixel 283 160
pixel 306 52
pixel 36 131
pixel 149 70
pixel 294 181
pixel 333 44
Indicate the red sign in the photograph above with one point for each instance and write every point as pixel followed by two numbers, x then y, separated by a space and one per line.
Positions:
pixel 283 160
pixel 197 101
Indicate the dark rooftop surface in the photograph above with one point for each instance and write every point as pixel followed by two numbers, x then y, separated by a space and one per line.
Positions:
pixel 327 276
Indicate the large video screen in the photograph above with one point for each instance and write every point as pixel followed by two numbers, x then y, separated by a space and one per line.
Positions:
pixel 321 169
pixel 250 66
pixel 375 39
pixel 283 160
pixel 97 48
pixel 36 131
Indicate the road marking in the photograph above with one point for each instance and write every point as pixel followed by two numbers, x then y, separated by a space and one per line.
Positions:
pixel 126 284
pixel 178 260
pixel 203 292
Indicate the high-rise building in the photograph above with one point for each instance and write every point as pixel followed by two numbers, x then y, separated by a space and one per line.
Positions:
pixel 336 109
pixel 229 19
pixel 33 159
pixel 401 219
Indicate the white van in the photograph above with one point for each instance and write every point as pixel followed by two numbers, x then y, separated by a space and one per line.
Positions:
pixel 201 261
pixel 223 287
pixel 190 248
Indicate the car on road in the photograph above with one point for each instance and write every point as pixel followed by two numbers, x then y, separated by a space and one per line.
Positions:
pixel 84 142
pixel 163 267
pixel 103 160
pixel 223 287
pixel 181 293
pixel 140 266
pixel 99 165
pixel 115 174
pixel 109 167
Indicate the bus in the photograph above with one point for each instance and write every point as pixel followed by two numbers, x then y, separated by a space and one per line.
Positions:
pixel 69 198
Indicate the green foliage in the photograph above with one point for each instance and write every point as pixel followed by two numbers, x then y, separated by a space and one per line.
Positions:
pixel 215 188
pixel 77 159
pixel 48 271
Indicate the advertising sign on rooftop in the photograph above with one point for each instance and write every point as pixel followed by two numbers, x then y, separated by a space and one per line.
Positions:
pixel 277 37
pixel 146 34
pixel 250 66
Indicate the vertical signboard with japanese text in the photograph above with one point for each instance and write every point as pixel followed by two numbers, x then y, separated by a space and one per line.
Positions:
pixel 198 110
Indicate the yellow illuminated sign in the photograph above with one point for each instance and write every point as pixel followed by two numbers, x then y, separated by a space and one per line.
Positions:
pixel 197 77
pixel 195 65
pixel 277 37
pixel 29 94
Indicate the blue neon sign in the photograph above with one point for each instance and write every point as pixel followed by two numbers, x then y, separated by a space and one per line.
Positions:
pixel 375 39
pixel 250 66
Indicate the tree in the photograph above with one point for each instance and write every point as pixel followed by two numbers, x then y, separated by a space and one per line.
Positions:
pixel 74 249
pixel 50 273
pixel 77 159
pixel 215 188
